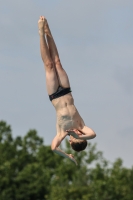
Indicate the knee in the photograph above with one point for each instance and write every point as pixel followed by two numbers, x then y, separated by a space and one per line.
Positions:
pixel 49 66
pixel 57 63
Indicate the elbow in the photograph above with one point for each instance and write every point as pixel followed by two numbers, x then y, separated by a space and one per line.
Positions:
pixel 53 148
pixel 93 135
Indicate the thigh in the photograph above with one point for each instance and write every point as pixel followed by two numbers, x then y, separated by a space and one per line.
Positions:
pixel 62 77
pixel 52 82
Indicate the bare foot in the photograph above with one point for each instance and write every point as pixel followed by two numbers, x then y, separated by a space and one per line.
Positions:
pixel 41 24
pixel 47 29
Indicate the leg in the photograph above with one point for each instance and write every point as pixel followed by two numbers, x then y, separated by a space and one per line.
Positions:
pixel 61 74
pixel 51 77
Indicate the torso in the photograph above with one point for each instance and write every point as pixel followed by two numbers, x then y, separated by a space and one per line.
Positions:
pixel 67 114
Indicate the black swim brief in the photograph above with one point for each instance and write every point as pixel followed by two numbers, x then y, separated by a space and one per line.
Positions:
pixel 60 92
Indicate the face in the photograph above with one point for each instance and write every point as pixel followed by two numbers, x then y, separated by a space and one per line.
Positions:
pixel 72 139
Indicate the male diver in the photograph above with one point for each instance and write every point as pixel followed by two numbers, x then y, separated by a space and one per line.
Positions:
pixel 69 121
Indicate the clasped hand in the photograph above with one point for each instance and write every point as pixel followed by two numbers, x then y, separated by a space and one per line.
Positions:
pixel 74 132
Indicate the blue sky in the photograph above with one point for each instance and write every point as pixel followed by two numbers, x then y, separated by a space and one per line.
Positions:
pixel 95 43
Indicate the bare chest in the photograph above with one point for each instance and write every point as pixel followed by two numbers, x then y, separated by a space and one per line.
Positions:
pixel 68 119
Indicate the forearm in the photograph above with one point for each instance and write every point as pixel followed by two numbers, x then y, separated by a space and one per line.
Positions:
pixel 58 151
pixel 85 137
pixel 84 134
pixel 55 148
pixel 82 137
pixel 87 133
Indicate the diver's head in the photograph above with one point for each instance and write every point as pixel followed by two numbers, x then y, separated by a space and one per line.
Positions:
pixel 77 144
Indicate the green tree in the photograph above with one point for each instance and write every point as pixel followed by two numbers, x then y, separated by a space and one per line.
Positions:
pixel 29 170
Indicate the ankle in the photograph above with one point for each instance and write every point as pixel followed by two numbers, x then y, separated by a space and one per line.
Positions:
pixel 46 29
pixel 41 32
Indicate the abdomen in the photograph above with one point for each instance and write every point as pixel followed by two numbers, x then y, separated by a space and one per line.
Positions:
pixel 68 118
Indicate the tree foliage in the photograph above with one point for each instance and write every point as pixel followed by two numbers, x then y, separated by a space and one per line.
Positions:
pixel 29 170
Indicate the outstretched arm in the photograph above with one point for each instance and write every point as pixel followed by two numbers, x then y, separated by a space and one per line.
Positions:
pixel 55 148
pixel 84 134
